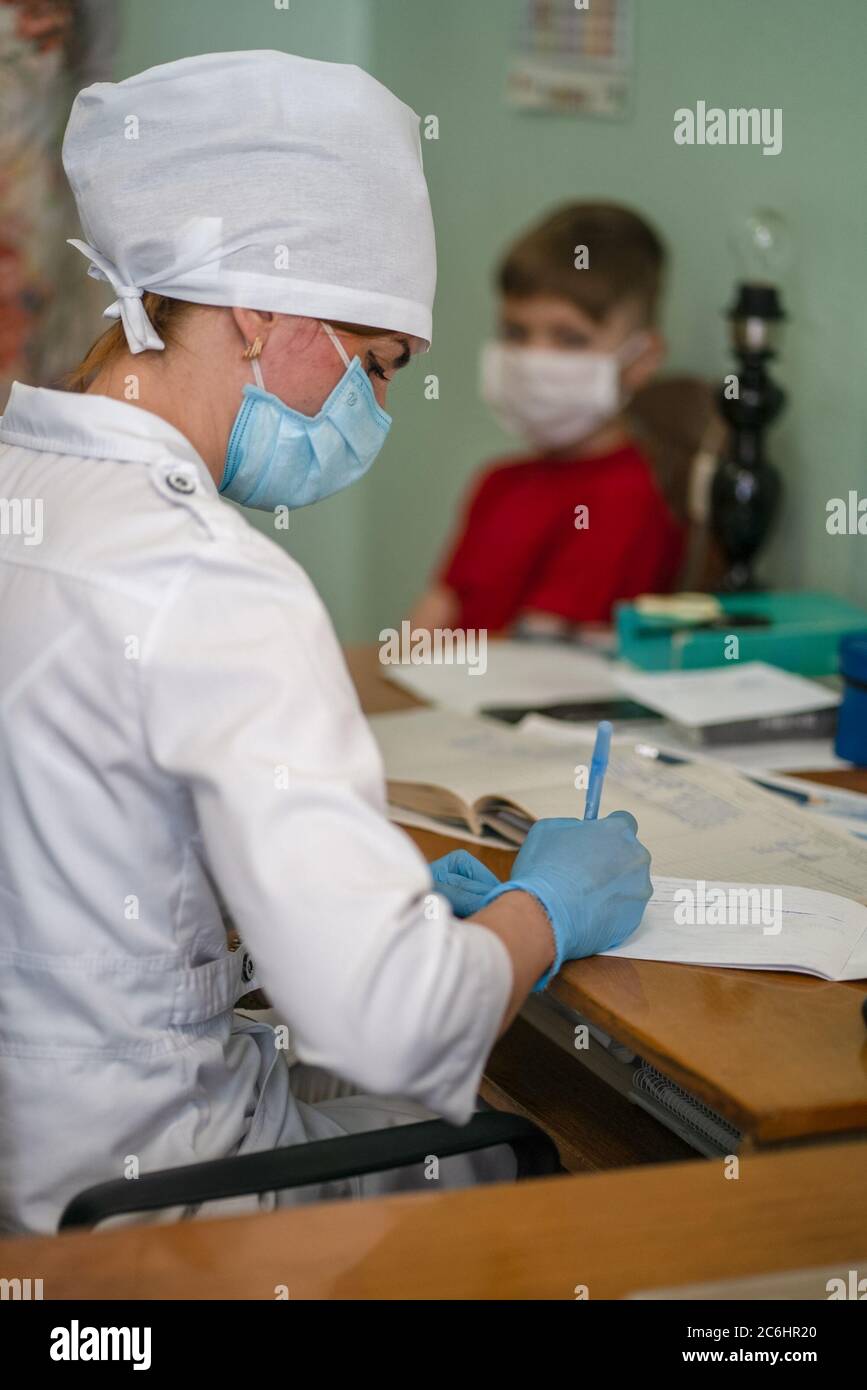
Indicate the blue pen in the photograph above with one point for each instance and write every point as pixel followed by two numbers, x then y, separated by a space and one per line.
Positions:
pixel 598 768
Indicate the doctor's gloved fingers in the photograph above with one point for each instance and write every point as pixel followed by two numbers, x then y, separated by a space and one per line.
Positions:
pixel 463 880
pixel 589 852
pixel 622 818
pixel 461 867
pixel 463 870
pixel 623 913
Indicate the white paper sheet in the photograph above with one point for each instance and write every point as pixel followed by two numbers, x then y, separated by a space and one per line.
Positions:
pixel 814 933
pixel 847 809
pixel 784 755
pixel 518 674
pixel 748 690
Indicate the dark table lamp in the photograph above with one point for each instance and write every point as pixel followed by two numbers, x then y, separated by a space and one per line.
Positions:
pixel 746 488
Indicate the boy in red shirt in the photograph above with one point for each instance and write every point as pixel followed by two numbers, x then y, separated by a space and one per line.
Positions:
pixel 553 538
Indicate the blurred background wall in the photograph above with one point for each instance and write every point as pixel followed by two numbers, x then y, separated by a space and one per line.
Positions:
pixel 493 169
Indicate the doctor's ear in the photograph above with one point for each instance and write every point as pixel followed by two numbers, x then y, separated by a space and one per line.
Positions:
pixel 647 362
pixel 253 324
pixel 284 331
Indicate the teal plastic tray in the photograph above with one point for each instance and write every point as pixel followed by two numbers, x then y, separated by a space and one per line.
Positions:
pixel 803 636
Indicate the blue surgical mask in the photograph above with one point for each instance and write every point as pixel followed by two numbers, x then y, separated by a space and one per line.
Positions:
pixel 278 457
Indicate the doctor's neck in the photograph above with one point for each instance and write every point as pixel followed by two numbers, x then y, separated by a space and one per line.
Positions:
pixel 180 384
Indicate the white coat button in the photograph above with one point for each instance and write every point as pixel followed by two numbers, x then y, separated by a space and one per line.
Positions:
pixel 247 968
pixel 181 482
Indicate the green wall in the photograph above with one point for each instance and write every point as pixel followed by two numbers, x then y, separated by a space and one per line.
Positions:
pixel 494 169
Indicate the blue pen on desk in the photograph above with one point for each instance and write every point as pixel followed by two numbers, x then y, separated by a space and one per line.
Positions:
pixel 598 768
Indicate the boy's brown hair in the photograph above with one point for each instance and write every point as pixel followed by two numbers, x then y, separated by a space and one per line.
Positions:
pixel 626 260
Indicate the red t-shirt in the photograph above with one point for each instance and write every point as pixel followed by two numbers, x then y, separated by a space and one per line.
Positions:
pixel 520 547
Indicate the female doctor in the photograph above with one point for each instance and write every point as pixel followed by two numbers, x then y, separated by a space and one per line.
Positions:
pixel 176 721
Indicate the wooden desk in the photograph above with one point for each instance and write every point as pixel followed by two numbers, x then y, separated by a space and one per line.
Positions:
pixel 782 1056
pixel 617 1233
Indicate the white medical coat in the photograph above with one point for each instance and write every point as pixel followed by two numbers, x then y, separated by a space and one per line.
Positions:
pixel 175 716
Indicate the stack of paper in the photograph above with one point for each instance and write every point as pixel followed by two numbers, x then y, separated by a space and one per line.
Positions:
pixel 521 675
pixel 746 700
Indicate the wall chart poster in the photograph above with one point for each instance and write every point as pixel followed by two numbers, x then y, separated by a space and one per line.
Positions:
pixel 574 56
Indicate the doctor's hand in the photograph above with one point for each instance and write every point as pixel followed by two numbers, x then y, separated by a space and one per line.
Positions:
pixel 464 880
pixel 591 877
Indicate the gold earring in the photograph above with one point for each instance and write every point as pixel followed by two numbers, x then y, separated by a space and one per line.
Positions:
pixel 254 350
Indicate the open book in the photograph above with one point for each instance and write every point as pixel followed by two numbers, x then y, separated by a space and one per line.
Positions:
pixel 447 766
pixel 698 819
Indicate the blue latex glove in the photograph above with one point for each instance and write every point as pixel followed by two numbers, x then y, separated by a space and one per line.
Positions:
pixel 462 879
pixel 591 876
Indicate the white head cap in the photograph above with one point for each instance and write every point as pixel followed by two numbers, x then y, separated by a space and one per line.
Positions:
pixel 255 179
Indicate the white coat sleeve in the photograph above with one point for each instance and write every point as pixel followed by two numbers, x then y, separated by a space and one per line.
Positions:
pixel 247 702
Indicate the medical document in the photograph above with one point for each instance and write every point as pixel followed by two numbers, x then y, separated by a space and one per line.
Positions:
pixel 766 928
pixel 699 820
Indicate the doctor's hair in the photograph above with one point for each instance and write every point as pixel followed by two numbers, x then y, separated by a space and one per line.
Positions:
pixel 165 315
pixel 626 261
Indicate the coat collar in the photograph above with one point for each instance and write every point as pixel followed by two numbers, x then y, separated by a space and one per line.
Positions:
pixel 89 426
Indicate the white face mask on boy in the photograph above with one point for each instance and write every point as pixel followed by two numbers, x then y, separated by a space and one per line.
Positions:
pixel 554 398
